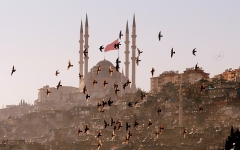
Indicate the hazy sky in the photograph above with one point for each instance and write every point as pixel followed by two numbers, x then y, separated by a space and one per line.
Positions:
pixel 39 37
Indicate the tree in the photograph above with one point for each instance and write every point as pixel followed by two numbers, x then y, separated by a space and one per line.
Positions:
pixel 234 137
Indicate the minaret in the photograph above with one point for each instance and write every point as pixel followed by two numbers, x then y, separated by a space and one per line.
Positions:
pixel 133 87
pixel 180 104
pixel 86 46
pixel 127 52
pixel 81 62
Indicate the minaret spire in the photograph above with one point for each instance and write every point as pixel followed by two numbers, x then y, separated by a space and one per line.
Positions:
pixel 81 62
pixel 86 36
pixel 127 52
pixel 133 87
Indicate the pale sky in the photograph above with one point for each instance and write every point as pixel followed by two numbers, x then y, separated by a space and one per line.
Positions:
pixel 39 37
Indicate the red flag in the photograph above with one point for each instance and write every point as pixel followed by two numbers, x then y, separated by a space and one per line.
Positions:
pixel 110 47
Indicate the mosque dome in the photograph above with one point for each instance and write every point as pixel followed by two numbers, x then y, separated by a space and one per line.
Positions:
pixel 104 63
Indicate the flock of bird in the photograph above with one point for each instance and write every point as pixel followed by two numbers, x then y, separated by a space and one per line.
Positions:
pixel 117 124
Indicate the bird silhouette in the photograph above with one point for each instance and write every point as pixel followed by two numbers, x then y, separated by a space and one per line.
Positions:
pixel 159 110
pixel 48 91
pixel 79 131
pixel 87 96
pixel 196 67
pixel 194 51
pixel 99 134
pixel 69 64
pixel 13 70
pixel 104 83
pixel 94 82
pixel 136 124
pixel 159 36
pixel 84 89
pixel 127 126
pixel 59 84
pixel 130 104
pixel 120 34
pixel 85 52
pixel 105 124
pixel 101 48
pixel 137 60
pixel 116 90
pixel 104 103
pixel 117 45
pixel 172 52
pixel 57 73
pixel 99 144
pixel 110 102
pixel 125 85
pixel 118 61
pixel 142 95
pixel 152 71
pixel 99 70
pixel 129 134
pixel 80 76
pixel 99 104
pixel 112 122
pixel 110 71
pixel 117 67
pixel 139 52
pixel 86 129
pixel 149 123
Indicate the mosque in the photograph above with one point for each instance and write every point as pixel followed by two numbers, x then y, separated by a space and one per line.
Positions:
pixel 66 94
pixel 117 77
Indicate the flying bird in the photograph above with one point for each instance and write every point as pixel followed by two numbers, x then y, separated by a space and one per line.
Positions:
pixel 99 70
pixel 127 126
pixel 159 36
pixel 87 96
pixel 110 102
pixel 136 124
pixel 194 51
pixel 137 60
pixel 99 134
pixel 13 70
pixel 105 124
pixel 85 52
pixel 80 76
pixel 118 61
pixel 139 52
pixel 59 84
pixel 159 110
pixel 196 67
pixel 149 123
pixel 104 83
pixel 48 91
pixel 84 89
pixel 152 71
pixel 110 71
pixel 101 48
pixel 94 82
pixel 69 64
pixel 99 144
pixel 117 45
pixel 117 67
pixel 57 73
pixel 79 131
pixel 86 129
pixel 172 52
pixel 125 85
pixel 112 122
pixel 130 104
pixel 120 34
